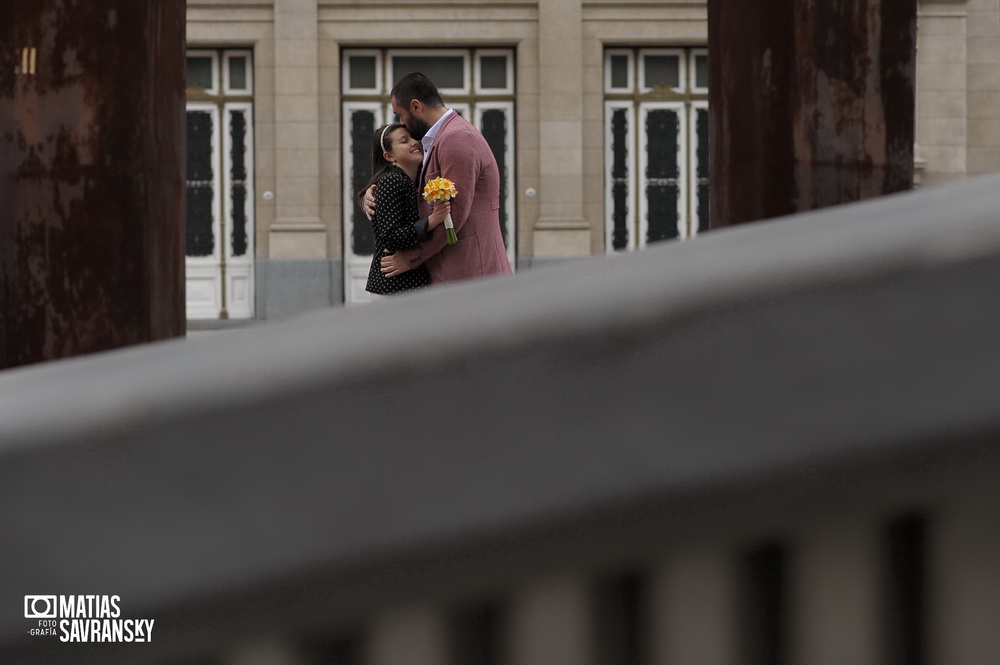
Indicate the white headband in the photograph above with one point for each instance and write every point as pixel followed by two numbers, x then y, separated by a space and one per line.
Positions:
pixel 381 141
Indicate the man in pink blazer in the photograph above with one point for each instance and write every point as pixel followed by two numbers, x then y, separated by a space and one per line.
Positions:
pixel 453 149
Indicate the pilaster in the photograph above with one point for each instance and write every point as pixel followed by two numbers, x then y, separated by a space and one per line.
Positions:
pixel 941 122
pixel 561 229
pixel 298 231
pixel 983 78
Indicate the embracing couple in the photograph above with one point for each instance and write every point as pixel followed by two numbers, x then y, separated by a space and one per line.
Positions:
pixel 431 141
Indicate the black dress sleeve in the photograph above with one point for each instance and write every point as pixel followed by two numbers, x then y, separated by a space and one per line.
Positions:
pixel 397 223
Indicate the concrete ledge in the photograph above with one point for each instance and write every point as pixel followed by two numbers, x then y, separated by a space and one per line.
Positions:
pixel 358 446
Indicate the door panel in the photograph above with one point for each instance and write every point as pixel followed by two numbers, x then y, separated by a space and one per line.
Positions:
pixel 204 288
pixel 220 193
pixel 360 120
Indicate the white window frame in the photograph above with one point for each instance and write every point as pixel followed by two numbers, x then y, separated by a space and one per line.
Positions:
pixel 681 68
pixel 462 108
pixel 472 108
pixel 692 170
pixel 693 71
pixel 643 207
pixel 227 158
pixel 449 53
pixel 226 84
pixel 213 110
pixel 608 88
pixel 609 156
pixel 508 55
pixel 379 72
pixel 202 270
pixel 239 267
pixel 355 273
pixel 214 55
pixel 508 203
pixel 348 149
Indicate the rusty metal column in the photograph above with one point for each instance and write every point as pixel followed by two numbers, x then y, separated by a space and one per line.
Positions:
pixel 92 185
pixel 811 104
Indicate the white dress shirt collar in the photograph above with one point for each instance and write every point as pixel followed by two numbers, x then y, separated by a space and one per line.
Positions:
pixel 428 139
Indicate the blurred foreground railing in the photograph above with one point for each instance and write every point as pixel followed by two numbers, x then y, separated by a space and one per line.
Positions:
pixel 774 444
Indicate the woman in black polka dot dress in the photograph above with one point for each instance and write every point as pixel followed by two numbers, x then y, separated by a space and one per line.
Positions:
pixel 396 158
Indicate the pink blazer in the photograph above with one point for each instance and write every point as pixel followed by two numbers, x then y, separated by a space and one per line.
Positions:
pixel 461 154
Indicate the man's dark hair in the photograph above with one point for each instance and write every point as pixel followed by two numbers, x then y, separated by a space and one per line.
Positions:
pixel 416 86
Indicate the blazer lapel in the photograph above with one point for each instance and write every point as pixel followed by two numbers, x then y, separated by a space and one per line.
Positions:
pixel 425 165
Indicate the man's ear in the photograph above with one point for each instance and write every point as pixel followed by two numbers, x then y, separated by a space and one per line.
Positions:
pixel 416 107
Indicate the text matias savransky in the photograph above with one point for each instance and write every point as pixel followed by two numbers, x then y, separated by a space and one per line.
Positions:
pixel 85 618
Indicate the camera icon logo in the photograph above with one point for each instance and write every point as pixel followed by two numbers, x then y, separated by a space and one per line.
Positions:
pixel 40 607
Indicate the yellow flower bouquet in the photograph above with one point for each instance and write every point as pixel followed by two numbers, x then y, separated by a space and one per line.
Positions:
pixel 442 189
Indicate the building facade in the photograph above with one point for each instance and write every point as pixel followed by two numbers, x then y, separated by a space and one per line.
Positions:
pixel 596 111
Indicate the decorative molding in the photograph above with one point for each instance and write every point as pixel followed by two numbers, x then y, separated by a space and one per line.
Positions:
pixel 289 224
pixel 561 224
pixel 942 8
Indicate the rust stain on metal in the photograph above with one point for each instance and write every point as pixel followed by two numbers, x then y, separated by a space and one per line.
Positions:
pixel 811 104
pixel 91 176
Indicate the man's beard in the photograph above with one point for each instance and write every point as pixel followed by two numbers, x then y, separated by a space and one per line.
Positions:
pixel 417 128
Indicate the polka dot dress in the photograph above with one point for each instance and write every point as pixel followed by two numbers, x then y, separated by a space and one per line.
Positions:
pixel 395 215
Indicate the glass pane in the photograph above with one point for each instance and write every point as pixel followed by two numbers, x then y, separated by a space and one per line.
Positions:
pixel 662 174
pixel 199 72
pixel 362 72
pixel 702 169
pixel 701 71
pixel 238 73
pixel 200 186
pixel 238 184
pixel 362 131
pixel 619 179
pixel 445 71
pixel 495 132
pixel 619 71
pixel 493 69
pixel 662 70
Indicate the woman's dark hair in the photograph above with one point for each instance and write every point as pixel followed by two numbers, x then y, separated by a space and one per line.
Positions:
pixel 416 86
pixel 379 163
